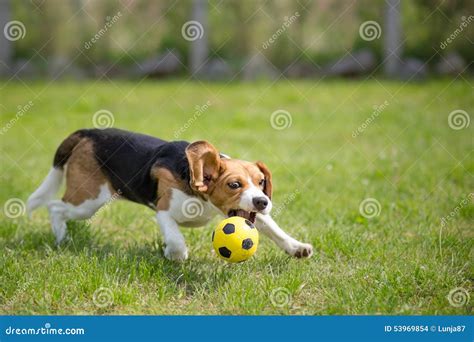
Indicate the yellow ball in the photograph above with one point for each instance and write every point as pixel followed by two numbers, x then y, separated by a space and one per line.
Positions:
pixel 235 239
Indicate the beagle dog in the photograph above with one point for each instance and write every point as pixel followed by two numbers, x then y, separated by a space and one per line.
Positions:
pixel 186 184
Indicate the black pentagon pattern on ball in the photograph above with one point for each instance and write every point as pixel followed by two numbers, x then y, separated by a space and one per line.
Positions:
pixel 247 243
pixel 229 228
pixel 225 252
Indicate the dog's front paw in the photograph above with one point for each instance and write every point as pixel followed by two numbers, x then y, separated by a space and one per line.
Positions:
pixel 301 250
pixel 176 253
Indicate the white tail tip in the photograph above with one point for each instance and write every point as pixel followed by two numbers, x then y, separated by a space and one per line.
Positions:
pixel 46 191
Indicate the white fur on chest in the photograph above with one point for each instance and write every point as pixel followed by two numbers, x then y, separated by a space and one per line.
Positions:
pixel 191 211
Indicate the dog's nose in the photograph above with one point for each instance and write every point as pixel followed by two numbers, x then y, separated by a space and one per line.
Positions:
pixel 260 203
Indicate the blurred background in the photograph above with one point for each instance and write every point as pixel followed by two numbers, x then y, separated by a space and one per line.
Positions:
pixel 231 39
pixel 348 102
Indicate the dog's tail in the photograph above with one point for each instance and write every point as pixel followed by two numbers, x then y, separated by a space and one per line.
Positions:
pixel 51 184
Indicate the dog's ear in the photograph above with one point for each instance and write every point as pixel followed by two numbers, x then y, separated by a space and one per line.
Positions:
pixel 204 164
pixel 267 189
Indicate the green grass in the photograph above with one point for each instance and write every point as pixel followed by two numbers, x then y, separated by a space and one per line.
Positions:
pixel 400 262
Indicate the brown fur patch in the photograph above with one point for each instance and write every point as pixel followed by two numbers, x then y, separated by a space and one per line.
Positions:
pixel 226 198
pixel 268 187
pixel 64 151
pixel 83 175
pixel 204 164
pixel 166 182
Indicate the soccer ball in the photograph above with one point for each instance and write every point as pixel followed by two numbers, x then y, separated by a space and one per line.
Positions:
pixel 235 239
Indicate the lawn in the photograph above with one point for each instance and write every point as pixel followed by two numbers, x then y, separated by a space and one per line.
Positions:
pixel 405 157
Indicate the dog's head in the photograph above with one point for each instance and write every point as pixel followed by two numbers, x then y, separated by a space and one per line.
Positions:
pixel 236 187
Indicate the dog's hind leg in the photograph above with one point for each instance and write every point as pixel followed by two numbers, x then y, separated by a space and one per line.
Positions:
pixel 51 184
pixel 46 190
pixel 57 215
pixel 87 189
pixel 61 211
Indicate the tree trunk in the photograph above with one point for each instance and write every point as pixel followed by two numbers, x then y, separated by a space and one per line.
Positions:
pixel 6 47
pixel 393 49
pixel 199 48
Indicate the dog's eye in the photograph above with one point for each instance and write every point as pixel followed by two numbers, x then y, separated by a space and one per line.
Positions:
pixel 234 185
pixel 262 182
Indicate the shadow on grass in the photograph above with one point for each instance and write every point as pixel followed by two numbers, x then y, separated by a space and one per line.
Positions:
pixel 145 260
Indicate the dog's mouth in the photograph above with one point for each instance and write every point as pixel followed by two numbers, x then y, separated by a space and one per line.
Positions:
pixel 248 215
